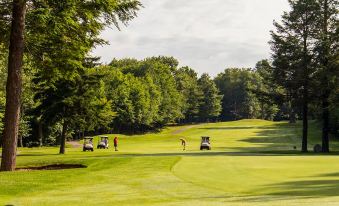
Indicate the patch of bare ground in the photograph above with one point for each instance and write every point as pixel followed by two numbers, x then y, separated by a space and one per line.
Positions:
pixel 53 167
pixel 75 144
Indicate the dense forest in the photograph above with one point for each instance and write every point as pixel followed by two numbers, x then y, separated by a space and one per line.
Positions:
pixel 133 96
pixel 66 93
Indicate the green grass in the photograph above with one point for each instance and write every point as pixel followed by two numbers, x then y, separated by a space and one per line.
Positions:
pixel 252 162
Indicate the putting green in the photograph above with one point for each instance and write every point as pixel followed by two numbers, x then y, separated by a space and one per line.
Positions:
pixel 252 162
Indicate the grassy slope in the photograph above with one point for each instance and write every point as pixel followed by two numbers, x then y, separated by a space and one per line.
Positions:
pixel 253 162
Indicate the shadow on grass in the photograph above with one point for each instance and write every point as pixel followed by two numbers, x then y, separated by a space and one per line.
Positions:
pixel 281 133
pixel 264 127
pixel 210 154
pixel 302 189
pixel 283 136
pixel 227 128
pixel 37 155
pixel 307 188
pixel 273 153
pixel 203 154
pixel 329 175
pixel 280 136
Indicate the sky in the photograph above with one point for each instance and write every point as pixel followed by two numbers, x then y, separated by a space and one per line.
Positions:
pixel 206 35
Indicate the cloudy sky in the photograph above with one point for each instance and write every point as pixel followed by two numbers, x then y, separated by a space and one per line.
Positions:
pixel 207 35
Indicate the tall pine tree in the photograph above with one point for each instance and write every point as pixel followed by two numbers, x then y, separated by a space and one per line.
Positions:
pixel 326 50
pixel 292 50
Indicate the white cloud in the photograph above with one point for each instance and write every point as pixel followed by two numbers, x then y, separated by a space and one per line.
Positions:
pixel 207 35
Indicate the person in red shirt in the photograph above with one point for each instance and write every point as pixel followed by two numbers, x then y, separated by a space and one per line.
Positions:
pixel 116 143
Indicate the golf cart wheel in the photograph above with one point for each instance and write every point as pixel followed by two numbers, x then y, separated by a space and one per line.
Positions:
pixel 201 148
pixel 92 149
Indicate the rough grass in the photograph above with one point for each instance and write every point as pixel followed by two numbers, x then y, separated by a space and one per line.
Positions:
pixel 252 162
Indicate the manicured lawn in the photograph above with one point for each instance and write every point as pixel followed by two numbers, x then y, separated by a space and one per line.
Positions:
pixel 252 162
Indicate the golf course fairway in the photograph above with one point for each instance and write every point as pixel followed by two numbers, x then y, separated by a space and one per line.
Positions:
pixel 252 162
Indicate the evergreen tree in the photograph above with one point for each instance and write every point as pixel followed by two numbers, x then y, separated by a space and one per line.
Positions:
pixel 326 50
pixel 13 88
pixel 71 103
pixel 292 52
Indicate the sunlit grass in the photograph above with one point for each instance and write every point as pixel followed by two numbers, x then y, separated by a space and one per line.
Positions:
pixel 252 162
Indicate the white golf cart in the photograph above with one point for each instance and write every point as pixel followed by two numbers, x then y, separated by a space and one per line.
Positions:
pixel 205 143
pixel 103 142
pixel 88 144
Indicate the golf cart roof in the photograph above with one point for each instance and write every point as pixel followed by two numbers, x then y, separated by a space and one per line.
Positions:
pixel 88 137
pixel 204 137
pixel 104 136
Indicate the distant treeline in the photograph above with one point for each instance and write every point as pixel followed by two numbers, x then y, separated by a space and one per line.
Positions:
pixel 127 95
pixel 137 96
pixel 151 93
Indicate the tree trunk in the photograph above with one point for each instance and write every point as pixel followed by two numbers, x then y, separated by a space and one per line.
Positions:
pixel 14 86
pixel 326 90
pixel 305 121
pixel 305 95
pixel 63 138
pixel 292 114
pixel 20 144
pixel 40 133
pixel 262 111
pixel 325 138
pixel 292 117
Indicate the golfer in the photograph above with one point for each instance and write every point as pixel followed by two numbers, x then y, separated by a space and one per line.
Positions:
pixel 183 143
pixel 116 143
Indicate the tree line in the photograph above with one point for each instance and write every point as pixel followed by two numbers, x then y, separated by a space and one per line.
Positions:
pixel 132 96
pixel 125 96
